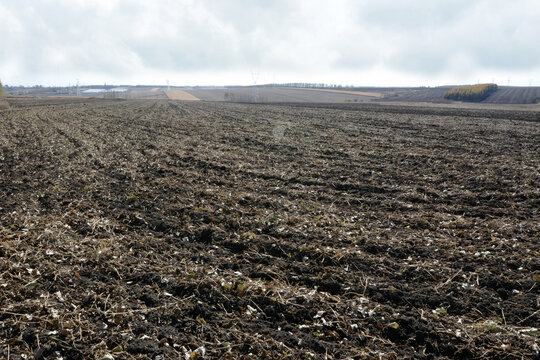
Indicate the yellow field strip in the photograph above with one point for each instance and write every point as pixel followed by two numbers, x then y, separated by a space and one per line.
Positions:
pixel 178 94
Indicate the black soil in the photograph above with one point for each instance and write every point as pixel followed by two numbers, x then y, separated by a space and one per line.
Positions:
pixel 171 230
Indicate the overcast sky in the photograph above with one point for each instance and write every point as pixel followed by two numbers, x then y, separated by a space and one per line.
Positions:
pixel 219 42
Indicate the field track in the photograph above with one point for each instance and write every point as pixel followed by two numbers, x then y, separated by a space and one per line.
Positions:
pixel 160 229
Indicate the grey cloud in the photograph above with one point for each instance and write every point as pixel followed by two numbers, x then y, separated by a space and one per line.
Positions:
pixel 120 38
pixel 491 34
pixel 411 16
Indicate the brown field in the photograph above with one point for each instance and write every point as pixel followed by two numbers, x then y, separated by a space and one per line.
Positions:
pixel 515 95
pixel 361 93
pixel 276 95
pixel 160 229
pixel 143 93
pixel 177 94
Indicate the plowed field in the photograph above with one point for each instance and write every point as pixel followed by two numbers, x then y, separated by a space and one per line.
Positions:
pixel 277 94
pixel 158 229
pixel 515 95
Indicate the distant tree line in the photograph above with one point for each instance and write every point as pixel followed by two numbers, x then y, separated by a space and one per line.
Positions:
pixel 307 85
pixel 472 93
pixel 1 89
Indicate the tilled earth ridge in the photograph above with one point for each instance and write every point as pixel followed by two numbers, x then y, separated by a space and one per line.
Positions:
pixel 163 230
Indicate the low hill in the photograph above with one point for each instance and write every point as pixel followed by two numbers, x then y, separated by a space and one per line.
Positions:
pixel 287 94
pixel 503 95
pixel 282 94
pixel 515 95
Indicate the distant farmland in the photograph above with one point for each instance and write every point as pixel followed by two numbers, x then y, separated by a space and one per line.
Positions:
pixel 264 94
pixel 515 95
pixel 279 94
pixel 504 95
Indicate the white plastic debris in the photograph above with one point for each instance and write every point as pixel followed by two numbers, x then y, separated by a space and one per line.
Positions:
pixel 200 351
pixel 58 295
